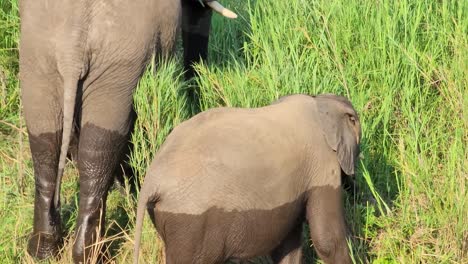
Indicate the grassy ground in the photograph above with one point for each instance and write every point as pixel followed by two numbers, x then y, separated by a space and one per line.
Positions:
pixel 402 63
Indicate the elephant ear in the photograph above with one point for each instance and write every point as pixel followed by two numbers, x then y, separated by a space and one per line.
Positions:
pixel 340 126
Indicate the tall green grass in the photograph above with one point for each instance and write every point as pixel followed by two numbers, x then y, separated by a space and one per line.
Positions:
pixel 9 32
pixel 402 63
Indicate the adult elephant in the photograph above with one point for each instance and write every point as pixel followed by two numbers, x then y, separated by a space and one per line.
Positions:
pixel 80 61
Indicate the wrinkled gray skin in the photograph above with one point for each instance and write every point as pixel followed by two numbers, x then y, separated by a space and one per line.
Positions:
pixel 80 61
pixel 234 183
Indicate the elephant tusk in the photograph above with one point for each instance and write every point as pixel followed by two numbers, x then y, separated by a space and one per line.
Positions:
pixel 216 6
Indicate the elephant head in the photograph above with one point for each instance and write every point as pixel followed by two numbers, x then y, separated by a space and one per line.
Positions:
pixel 340 125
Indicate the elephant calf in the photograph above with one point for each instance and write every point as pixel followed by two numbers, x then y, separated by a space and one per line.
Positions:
pixel 235 183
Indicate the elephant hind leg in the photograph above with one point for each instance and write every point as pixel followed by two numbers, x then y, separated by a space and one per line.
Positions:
pixel 98 154
pixel 46 238
pixel 106 120
pixel 189 239
pixel 44 123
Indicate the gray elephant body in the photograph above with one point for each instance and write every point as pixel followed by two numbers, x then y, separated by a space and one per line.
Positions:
pixel 238 183
pixel 79 64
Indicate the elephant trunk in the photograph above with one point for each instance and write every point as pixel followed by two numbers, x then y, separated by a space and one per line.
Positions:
pixel 69 99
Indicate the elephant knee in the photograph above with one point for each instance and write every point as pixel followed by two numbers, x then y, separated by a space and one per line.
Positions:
pixel 325 246
pixel 332 249
pixel 328 242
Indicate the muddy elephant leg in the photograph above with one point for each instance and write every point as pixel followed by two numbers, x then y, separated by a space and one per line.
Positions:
pixel 290 250
pixel 327 224
pixel 105 125
pixel 196 24
pixel 43 119
pixel 98 152
pixel 124 171
pixel 46 238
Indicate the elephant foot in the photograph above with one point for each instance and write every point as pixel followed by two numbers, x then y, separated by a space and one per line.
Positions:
pixel 88 247
pixel 94 253
pixel 44 245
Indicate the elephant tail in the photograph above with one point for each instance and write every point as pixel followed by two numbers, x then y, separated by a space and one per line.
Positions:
pixel 70 86
pixel 139 226
pixel 143 202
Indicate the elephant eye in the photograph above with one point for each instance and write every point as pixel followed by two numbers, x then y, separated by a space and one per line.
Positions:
pixel 352 119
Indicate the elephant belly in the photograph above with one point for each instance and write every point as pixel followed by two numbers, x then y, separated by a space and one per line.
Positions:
pixel 218 234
